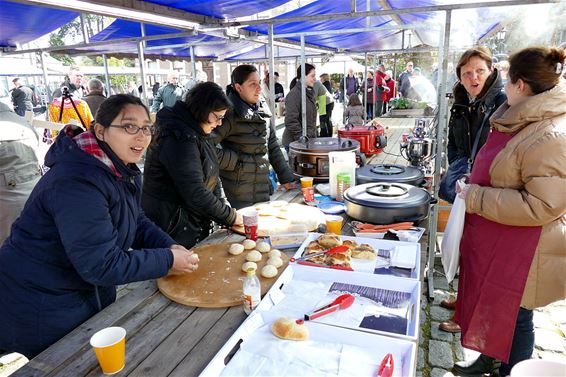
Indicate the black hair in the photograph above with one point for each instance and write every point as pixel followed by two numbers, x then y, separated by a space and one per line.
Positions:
pixel 308 69
pixel 205 98
pixel 239 75
pixel 111 107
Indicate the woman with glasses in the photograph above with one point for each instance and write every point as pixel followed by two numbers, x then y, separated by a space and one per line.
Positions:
pixel 182 192
pixel 82 232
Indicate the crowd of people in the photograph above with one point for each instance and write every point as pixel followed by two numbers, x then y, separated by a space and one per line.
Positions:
pixel 210 153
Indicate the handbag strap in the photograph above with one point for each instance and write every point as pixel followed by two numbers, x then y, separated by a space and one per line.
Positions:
pixel 478 136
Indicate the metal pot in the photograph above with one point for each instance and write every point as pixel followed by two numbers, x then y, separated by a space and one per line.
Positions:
pixel 387 203
pixel 389 173
pixel 309 158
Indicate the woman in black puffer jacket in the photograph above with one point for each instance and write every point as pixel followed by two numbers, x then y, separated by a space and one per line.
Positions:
pixel 249 144
pixel 182 192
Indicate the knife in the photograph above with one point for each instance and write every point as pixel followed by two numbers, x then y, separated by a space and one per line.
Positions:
pixel 341 302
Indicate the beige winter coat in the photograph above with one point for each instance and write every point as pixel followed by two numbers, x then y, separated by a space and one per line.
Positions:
pixel 528 187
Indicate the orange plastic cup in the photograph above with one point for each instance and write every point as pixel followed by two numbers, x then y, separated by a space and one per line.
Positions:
pixel 109 345
pixel 334 224
pixel 306 182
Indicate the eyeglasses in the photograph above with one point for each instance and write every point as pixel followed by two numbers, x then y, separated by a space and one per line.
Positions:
pixel 218 117
pixel 132 129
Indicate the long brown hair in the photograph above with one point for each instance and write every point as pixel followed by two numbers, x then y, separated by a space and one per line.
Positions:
pixel 541 67
pixel 481 52
pixel 354 100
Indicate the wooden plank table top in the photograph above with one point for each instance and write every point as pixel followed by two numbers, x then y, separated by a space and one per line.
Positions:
pixel 164 338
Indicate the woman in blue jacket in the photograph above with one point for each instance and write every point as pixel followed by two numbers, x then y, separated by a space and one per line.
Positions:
pixel 82 232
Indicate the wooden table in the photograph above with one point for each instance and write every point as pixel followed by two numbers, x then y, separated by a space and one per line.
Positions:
pixel 163 338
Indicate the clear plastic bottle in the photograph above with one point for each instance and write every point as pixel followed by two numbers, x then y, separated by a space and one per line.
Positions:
pixel 343 182
pixel 251 291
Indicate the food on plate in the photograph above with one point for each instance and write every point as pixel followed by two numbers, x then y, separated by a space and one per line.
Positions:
pixel 247 265
pixel 268 211
pixel 290 329
pixel 338 259
pixel 278 203
pixel 248 244
pixel 313 247
pixel 253 256
pixel 262 247
pixel 269 271
pixel 371 228
pixel 350 243
pixel 274 253
pixel 364 251
pixel 329 240
pixel 275 262
pixel 236 249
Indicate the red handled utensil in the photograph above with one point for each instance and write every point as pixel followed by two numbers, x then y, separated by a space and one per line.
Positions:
pixel 340 303
pixel 332 250
pixel 307 263
pixel 386 366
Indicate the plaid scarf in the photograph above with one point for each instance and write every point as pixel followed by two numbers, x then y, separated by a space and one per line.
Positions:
pixel 87 142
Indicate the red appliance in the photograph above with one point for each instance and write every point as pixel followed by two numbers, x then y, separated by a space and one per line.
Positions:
pixel 372 138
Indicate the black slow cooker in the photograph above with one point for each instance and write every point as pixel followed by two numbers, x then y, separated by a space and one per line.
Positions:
pixel 309 158
pixel 389 173
pixel 387 203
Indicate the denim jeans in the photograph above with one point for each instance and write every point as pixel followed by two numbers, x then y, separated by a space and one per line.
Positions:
pixel 523 341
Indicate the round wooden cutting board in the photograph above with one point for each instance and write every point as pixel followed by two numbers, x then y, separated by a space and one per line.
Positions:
pixel 218 281
pixel 280 216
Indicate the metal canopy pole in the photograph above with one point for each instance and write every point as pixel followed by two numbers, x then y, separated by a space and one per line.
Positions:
pixel 141 59
pixel 303 88
pixel 193 63
pixel 106 75
pixel 364 86
pixel 344 98
pixel 374 85
pixel 271 76
pixel 84 29
pixel 440 148
pixel 46 79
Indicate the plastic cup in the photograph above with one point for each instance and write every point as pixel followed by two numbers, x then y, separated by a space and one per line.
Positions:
pixel 308 195
pixel 539 367
pixel 306 182
pixel 109 345
pixel 250 224
pixel 334 224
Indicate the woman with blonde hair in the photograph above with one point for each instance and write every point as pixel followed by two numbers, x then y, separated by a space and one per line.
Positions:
pixel 513 254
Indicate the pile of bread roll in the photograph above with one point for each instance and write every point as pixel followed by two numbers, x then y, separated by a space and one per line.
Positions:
pixel 255 253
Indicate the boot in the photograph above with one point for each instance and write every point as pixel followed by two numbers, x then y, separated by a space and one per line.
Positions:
pixel 449 326
pixel 448 304
pixel 483 364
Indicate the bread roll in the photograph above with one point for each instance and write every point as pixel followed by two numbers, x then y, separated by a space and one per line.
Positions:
pixel 288 328
pixel 236 249
pixel 275 262
pixel 247 265
pixel 329 240
pixel 263 247
pixel 253 256
pixel 274 253
pixel 364 251
pixel 248 244
pixel 269 271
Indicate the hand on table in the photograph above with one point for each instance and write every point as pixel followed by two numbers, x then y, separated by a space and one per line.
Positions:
pixel 287 186
pixel 184 261
pixel 239 219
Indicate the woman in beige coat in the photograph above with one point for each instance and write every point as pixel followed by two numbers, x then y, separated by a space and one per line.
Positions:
pixel 513 249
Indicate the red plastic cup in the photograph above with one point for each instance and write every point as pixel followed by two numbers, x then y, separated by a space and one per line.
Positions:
pixel 308 195
pixel 251 224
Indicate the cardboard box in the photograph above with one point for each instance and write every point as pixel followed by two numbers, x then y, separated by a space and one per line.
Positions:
pixel 410 251
pixel 253 345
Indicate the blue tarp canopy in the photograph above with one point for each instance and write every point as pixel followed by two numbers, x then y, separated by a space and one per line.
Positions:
pixel 21 23
pixel 224 9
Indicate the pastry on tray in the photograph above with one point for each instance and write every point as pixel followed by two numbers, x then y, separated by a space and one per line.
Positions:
pixel 364 251
pixel 329 240
pixel 290 329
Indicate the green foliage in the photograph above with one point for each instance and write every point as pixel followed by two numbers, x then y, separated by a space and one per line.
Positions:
pixel 403 103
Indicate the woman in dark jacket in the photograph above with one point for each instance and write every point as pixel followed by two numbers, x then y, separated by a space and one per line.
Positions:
pixel 293 113
pixel 249 143
pixel 181 191
pixel 82 232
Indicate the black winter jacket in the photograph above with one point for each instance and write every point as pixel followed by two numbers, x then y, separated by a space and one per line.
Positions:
pixel 181 191
pixel 466 118
pixel 248 146
pixel 293 115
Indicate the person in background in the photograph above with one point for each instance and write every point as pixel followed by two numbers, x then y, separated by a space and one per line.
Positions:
pixel 388 90
pixel 22 97
pixel 326 120
pixel 379 88
pixel 477 95
pixel 368 95
pixel 503 67
pixel 248 144
pixel 133 89
pixel 155 89
pixel 182 192
pixel 82 232
pixel 513 254
pixel 404 83
pixel 354 113
pixel 95 95
pixel 279 91
pixel 168 94
pixel 74 83
pixel 352 84
pixel 293 114
pixel 19 166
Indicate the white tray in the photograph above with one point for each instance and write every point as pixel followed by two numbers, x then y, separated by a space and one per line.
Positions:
pixel 329 351
pixel 412 250
pixel 301 289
